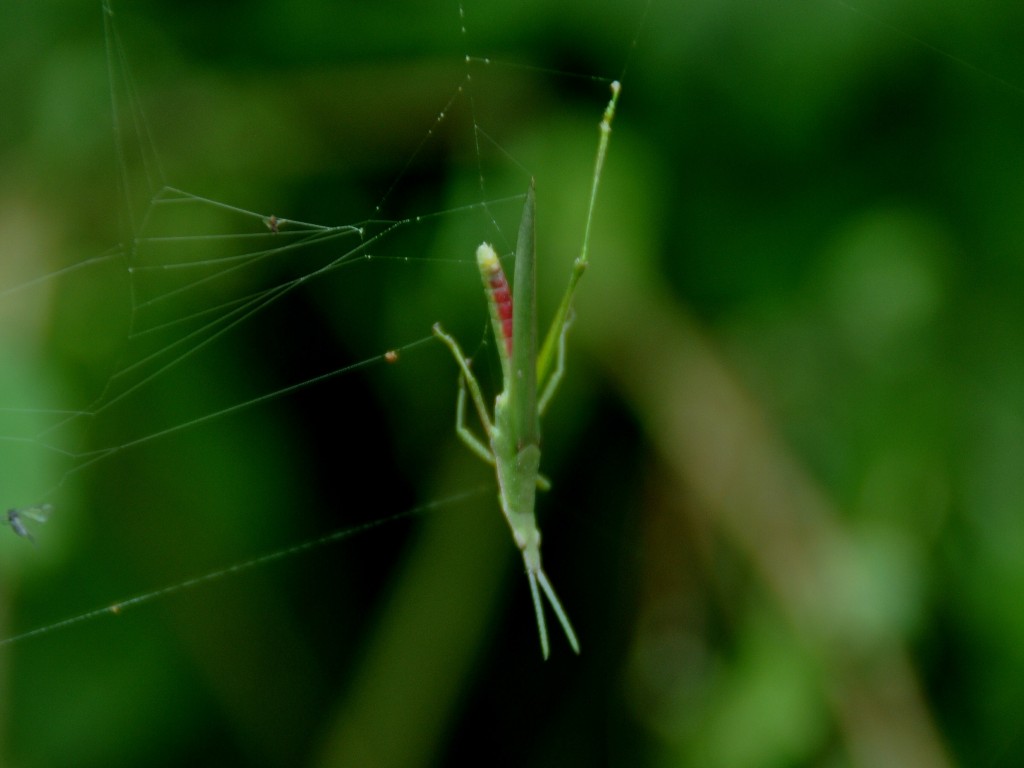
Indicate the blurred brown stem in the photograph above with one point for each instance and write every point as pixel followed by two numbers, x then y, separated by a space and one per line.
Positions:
pixel 719 449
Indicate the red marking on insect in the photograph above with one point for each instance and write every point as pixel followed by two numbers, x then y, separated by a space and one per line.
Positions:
pixel 501 295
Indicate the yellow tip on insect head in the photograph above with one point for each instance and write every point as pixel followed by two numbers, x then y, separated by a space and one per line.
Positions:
pixel 486 257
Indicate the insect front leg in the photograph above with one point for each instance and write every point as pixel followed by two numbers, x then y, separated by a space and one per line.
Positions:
pixel 468 379
pixel 556 375
pixel 464 432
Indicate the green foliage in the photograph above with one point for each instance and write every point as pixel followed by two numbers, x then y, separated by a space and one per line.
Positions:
pixel 787 513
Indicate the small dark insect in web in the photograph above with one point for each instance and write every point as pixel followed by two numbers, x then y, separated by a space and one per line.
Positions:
pixel 16 519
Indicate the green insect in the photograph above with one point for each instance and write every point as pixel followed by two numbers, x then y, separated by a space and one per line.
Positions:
pixel 513 435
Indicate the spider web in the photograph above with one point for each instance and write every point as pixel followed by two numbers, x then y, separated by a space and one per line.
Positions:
pixel 234 375
pixel 249 375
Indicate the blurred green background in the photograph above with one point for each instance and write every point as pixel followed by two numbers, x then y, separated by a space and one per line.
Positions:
pixel 787 518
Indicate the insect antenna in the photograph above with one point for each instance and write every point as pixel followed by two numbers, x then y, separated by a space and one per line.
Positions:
pixel 556 606
pixel 541 625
